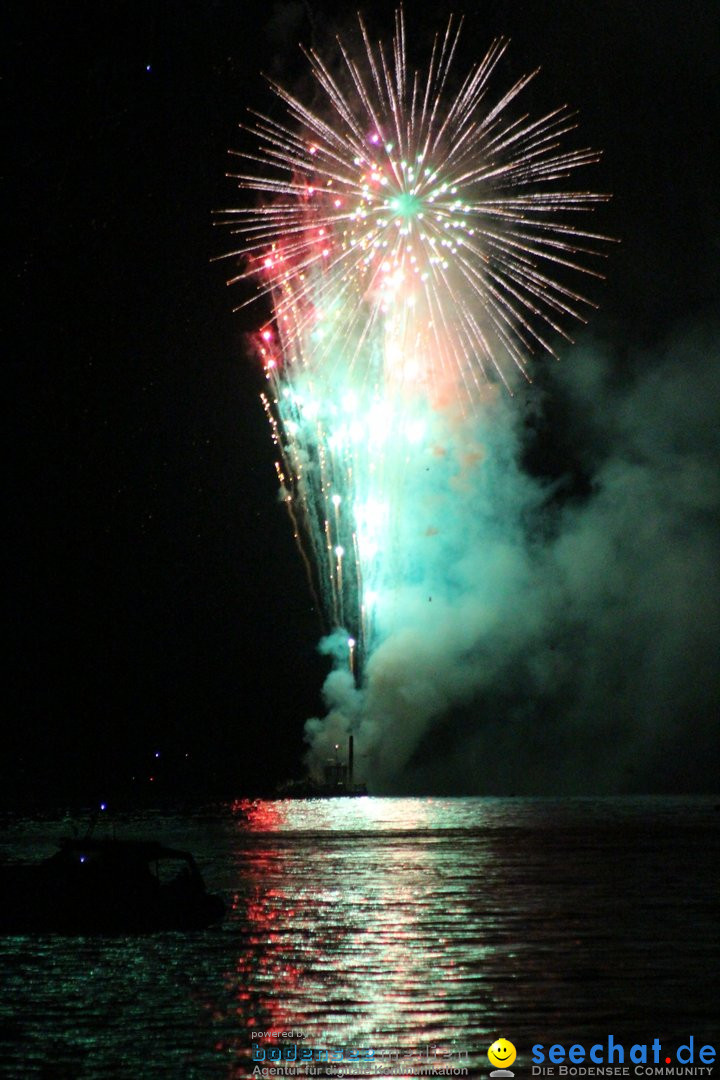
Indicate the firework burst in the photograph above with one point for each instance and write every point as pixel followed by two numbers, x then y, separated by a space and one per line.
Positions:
pixel 417 247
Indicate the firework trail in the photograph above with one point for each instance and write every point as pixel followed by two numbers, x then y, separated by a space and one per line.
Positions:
pixel 418 247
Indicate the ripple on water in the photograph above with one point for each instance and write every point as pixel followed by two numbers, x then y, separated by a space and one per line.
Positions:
pixel 386 922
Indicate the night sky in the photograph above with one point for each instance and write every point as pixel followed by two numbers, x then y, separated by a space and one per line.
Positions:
pixel 157 602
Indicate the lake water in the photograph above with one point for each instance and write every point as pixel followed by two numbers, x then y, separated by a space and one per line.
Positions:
pixel 384 923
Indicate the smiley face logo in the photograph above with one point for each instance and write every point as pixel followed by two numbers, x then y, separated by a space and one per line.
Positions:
pixel 502 1053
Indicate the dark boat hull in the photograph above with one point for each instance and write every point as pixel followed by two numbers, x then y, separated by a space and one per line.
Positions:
pixel 103 888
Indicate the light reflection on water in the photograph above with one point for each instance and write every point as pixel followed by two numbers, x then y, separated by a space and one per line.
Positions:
pixel 387 922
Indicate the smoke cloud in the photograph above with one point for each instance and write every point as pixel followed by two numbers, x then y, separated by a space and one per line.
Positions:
pixel 545 636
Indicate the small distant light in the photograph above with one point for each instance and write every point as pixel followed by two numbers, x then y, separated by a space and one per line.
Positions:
pixel 339 551
pixel 351 642
pixel 103 806
pixel 82 858
pixel 157 753
pixel 266 335
pixel 148 67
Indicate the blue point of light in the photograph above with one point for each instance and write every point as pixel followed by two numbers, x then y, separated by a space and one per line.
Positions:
pixel 103 806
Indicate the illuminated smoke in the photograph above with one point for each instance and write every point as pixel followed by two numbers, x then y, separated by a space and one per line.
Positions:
pixel 418 246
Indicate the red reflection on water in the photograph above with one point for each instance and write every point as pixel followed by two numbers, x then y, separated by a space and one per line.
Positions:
pixel 264 979
pixel 331 920
pixel 260 816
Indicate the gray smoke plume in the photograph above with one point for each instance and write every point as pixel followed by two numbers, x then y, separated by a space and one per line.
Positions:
pixel 559 643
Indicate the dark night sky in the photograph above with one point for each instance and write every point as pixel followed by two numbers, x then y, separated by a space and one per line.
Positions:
pixel 156 598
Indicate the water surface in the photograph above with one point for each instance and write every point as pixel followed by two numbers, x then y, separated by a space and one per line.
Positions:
pixel 386 923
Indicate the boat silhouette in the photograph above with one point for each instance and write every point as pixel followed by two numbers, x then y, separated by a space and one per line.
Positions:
pixel 107 886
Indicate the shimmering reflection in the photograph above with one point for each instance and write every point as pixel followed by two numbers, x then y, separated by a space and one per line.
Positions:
pixel 386 922
pixel 400 922
pixel 361 922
